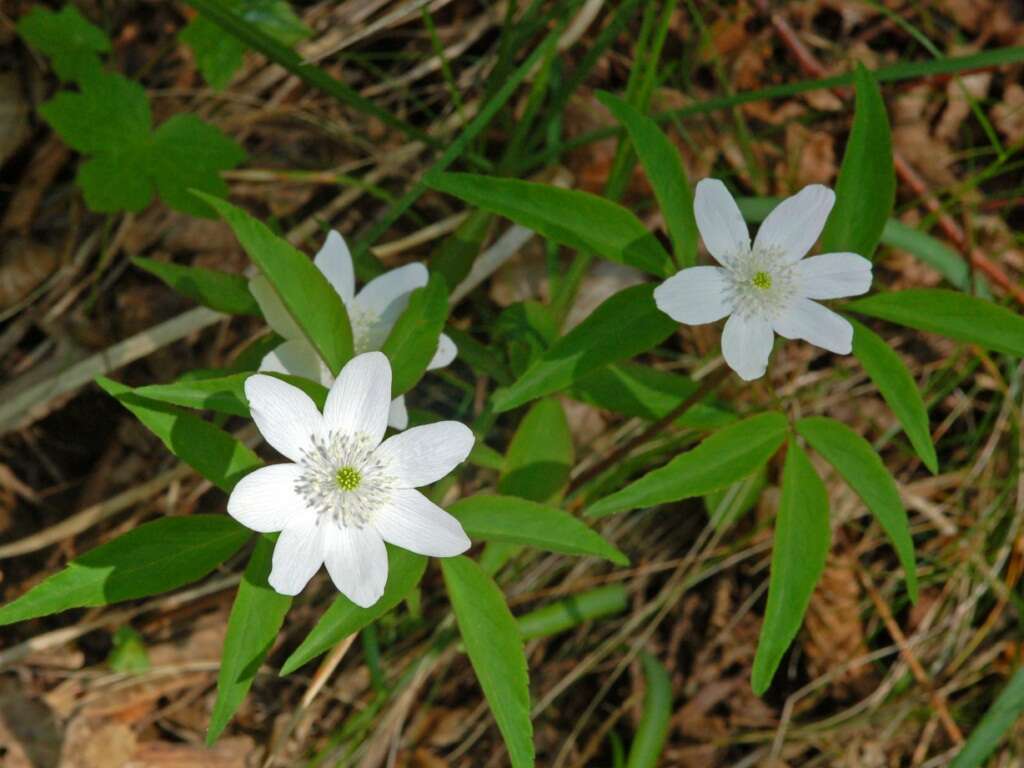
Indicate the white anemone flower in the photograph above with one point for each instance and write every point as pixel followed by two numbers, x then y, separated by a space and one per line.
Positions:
pixel 344 492
pixel 769 288
pixel 372 312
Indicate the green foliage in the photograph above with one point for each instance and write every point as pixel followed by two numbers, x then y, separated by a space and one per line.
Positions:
pixel 413 340
pixel 219 54
pixel 798 557
pixel 866 187
pixel 518 521
pixel 723 458
pixel 949 313
pixel 856 460
pixel 1003 714
pixel 155 557
pixel 299 284
pixel 569 612
pixel 344 617
pixel 72 44
pixel 624 325
pixel 223 394
pixel 495 649
pixel 217 290
pixel 645 751
pixel 129 652
pixel 665 172
pixel 569 217
pixel 540 455
pixel 256 616
pixel 897 388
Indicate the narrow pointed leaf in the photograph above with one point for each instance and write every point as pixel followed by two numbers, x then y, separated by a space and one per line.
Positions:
pixel 801 543
pixel 859 464
pixel 723 458
pixel 256 616
pixel 569 612
pixel 413 340
pixel 645 751
pixel 540 455
pixel 217 290
pixel 495 650
pixel 579 220
pixel 155 557
pixel 223 394
pixel 1001 716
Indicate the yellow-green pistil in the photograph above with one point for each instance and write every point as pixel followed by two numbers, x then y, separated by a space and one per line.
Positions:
pixel 762 280
pixel 348 478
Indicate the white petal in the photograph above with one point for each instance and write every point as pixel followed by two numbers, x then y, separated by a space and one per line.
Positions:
pixel 272 307
pixel 298 555
pixel 445 354
pixel 424 454
pixel 335 262
pixel 358 563
pixel 298 358
pixel 360 398
pixel 746 345
pixel 398 415
pixel 695 295
pixel 265 500
pixel 720 222
pixel 796 222
pixel 412 521
pixel 387 295
pixel 284 414
pixel 810 321
pixel 834 275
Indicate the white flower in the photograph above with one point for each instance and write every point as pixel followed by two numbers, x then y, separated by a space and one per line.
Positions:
pixel 768 288
pixel 346 492
pixel 372 312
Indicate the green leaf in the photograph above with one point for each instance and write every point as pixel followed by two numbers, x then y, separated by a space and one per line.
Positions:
pixel 68 39
pixel 624 325
pixel 256 617
pixel 539 458
pixel 859 464
pixel 344 617
pixel 110 114
pixel 214 453
pixel 723 458
pixel 1003 714
pixel 726 505
pixel 569 612
pixel 866 187
pixel 129 652
pixel 155 557
pixel 798 557
pixel 647 393
pixel 299 284
pixel 413 340
pixel 949 313
pixel 495 649
pixel 665 172
pixel 572 218
pixel 217 290
pixel 645 752
pixel 218 55
pixel 223 394
pixel 897 388
pixel 518 521
pixel 932 252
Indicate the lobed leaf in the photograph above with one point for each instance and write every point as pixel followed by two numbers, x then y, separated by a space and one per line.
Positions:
pixel 71 42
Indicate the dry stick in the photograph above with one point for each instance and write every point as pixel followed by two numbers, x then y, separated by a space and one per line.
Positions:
pixel 910 177
pixel 707 385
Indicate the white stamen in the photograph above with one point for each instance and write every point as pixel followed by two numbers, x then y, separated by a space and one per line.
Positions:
pixel 762 283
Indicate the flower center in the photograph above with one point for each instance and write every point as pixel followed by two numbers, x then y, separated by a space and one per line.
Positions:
pixel 348 478
pixel 762 283
pixel 367 331
pixel 761 280
pixel 343 481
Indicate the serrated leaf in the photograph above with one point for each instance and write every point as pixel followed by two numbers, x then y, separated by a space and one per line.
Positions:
pixel 723 458
pixel 213 453
pixel 298 283
pixel 572 218
pixel 518 521
pixel 866 187
pixel 898 389
pixel 859 464
pixel 660 160
pixel 72 44
pixel 801 544
pixel 495 650
pixel 155 557
pixel 109 115
pixel 112 182
pixel 256 617
pixel 343 618
pixel 624 325
pixel 949 313
pixel 412 342
pixel 540 455
pixel 221 291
